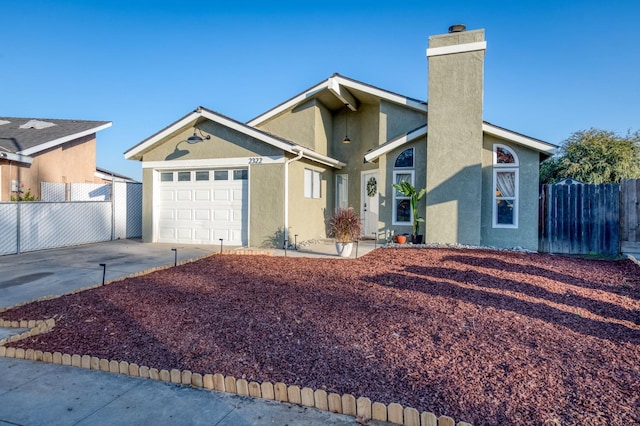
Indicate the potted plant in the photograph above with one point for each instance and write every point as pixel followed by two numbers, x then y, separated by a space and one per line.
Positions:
pixel 345 227
pixel 401 238
pixel 409 190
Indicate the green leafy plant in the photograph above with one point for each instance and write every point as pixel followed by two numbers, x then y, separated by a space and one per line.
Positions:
pixel 345 225
pixel 28 196
pixel 409 190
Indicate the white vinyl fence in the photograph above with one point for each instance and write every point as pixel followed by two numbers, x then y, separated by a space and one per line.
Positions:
pixel 39 225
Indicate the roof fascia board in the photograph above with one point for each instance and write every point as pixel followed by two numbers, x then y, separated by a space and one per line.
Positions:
pixel 537 145
pixel 343 94
pixel 288 104
pixel 457 48
pixel 332 83
pixel 160 135
pixel 312 155
pixel 399 99
pixel 64 139
pixel 393 144
pixel 16 157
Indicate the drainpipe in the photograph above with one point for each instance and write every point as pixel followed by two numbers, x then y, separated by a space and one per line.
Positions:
pixel 286 194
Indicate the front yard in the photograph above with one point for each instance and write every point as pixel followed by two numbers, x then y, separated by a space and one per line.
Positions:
pixel 483 336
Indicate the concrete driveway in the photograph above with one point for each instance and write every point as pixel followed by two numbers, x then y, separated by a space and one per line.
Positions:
pixel 29 276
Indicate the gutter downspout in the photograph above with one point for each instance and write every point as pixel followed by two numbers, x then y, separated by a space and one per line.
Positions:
pixel 286 194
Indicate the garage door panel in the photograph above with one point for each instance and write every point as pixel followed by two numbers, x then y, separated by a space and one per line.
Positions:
pixel 167 195
pixel 221 215
pixel 184 214
pixel 184 195
pixel 221 195
pixel 203 234
pixel 202 195
pixel 203 212
pixel 167 215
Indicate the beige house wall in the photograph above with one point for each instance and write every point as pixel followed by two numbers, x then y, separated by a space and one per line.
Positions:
pixel 386 189
pixel 526 235
pixel 396 120
pixel 266 184
pixel 73 162
pixel 308 216
pixel 454 148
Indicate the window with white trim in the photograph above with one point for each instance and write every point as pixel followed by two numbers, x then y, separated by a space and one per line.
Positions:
pixel 505 187
pixel 403 171
pixel 311 183
pixel 342 191
pixel 402 214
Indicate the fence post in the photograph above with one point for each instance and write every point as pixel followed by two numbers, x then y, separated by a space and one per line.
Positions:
pixel 18 226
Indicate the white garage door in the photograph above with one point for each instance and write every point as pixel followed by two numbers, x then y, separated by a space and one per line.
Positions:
pixel 203 206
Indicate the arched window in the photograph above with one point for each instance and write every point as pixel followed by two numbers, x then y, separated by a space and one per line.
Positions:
pixel 404 160
pixel 505 187
pixel 403 171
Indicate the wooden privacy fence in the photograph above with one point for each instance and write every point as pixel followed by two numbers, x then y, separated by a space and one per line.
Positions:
pixel 580 218
pixel 630 215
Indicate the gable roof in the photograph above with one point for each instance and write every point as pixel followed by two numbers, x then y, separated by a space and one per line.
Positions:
pixel 23 137
pixel 137 151
pixel 340 86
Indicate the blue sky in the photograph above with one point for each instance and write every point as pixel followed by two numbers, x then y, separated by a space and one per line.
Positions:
pixel 551 68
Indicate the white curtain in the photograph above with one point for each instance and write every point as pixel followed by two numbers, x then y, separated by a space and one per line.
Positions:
pixel 506 184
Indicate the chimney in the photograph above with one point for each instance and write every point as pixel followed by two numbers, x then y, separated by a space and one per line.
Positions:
pixel 454 136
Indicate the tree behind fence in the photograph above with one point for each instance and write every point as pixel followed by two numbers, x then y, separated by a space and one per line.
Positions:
pixel 580 219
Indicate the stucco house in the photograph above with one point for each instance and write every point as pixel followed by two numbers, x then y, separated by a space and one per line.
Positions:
pixel 36 150
pixel 342 143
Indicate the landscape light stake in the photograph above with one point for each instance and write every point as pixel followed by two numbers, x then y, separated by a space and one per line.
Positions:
pixel 220 245
pixel 375 241
pixel 104 271
pixel 357 248
pixel 295 241
pixel 175 256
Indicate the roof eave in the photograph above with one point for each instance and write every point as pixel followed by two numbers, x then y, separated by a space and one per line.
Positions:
pixel 59 141
pixel 535 144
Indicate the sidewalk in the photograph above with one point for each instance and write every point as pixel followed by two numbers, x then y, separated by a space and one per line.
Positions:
pixel 36 393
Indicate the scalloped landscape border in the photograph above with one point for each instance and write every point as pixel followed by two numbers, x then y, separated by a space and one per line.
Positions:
pixel 347 404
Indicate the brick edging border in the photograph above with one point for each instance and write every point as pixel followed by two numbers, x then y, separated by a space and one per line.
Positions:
pixel 347 404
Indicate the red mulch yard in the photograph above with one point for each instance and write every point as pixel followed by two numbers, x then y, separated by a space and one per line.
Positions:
pixel 483 336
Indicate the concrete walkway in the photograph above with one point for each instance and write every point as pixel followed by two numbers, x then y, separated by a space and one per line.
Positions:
pixel 35 393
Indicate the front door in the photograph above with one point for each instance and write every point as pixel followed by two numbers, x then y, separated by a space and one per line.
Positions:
pixel 369 204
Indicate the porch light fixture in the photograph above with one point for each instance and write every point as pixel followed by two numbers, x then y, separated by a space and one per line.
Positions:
pixel 197 139
pixel 346 139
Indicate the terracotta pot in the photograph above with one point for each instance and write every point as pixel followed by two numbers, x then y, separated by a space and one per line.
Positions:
pixel 401 239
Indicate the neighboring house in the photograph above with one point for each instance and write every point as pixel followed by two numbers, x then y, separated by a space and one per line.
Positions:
pixel 46 150
pixel 342 143
pixel 107 176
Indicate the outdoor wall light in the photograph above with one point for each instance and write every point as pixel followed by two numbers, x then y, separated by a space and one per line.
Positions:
pixel 197 139
pixel 346 139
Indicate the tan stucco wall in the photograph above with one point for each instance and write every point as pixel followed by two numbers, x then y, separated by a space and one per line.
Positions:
pixel 386 190
pixel 526 235
pixel 454 148
pixel 307 216
pixel 362 129
pixel 224 143
pixel 147 205
pixel 266 205
pixel 265 180
pixel 73 162
pixel 396 120
pixel 298 125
